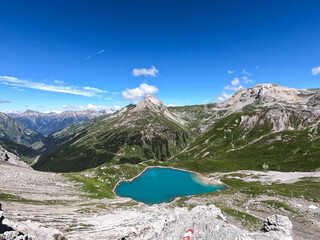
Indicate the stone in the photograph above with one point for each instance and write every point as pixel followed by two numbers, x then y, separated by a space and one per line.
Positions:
pixel 277 223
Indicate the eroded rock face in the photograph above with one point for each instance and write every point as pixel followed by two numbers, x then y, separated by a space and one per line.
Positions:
pixel 11 158
pixel 7 232
pixel 278 223
pixel 207 222
pixel 25 230
pixel 315 100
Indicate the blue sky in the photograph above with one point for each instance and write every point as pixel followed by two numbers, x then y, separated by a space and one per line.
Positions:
pixel 60 55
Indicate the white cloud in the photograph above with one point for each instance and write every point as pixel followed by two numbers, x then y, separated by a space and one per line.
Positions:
pixel 235 82
pixel 70 106
pixel 13 81
pixel 222 97
pixel 232 88
pixel 88 57
pixel 101 51
pixel 246 80
pixel 315 70
pixel 59 82
pixel 147 72
pixel 18 89
pixel 108 109
pixel 52 111
pixel 139 92
pixel 234 85
pixel 230 71
pixel 97 90
pixel 10 111
pixel 245 72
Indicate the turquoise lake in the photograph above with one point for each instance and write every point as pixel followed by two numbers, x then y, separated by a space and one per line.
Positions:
pixel 158 185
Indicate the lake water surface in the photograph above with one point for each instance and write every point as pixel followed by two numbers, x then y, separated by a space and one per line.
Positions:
pixel 158 185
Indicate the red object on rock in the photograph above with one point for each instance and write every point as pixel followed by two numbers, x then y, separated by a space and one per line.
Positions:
pixel 188 234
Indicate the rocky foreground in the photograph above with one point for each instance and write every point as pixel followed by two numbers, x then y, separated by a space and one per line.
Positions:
pixel 207 222
pixel 40 205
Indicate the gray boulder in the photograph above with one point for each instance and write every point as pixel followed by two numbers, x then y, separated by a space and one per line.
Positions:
pixel 277 223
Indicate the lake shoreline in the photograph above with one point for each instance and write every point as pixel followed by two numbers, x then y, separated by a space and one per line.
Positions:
pixel 203 180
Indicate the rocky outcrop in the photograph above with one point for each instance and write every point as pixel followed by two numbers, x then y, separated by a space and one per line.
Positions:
pixel 207 222
pixel 278 223
pixel 315 100
pixel 26 230
pixel 9 233
pixel 11 158
pixel 153 104
pixel 270 94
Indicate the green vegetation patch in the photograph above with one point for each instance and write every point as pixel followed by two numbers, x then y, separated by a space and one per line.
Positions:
pixel 126 204
pixel 230 146
pixel 95 187
pixel 247 220
pixel 278 205
pixel 100 182
pixel 15 198
pixel 308 189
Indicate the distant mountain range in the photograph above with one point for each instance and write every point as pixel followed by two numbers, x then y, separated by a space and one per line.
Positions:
pixel 47 123
pixel 264 127
pixel 13 130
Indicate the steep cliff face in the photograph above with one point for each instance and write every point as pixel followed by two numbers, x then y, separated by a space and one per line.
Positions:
pixel 15 131
pixel 11 158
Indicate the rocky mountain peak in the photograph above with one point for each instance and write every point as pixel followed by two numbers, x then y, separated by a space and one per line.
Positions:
pixel 268 94
pixel 150 102
pixel 30 113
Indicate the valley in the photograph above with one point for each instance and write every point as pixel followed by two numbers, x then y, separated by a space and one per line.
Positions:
pixel 263 143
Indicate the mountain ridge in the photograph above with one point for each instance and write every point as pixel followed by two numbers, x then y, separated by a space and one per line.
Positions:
pixel 265 117
pixel 47 123
pixel 15 131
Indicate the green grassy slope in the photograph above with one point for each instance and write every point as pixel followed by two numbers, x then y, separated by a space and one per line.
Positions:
pixel 229 146
pixel 119 138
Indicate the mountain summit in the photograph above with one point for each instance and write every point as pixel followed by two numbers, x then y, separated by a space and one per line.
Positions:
pixel 150 102
pixel 268 95
pixel 153 104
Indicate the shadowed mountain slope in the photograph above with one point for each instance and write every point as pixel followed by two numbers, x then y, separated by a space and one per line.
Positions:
pixel 15 131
